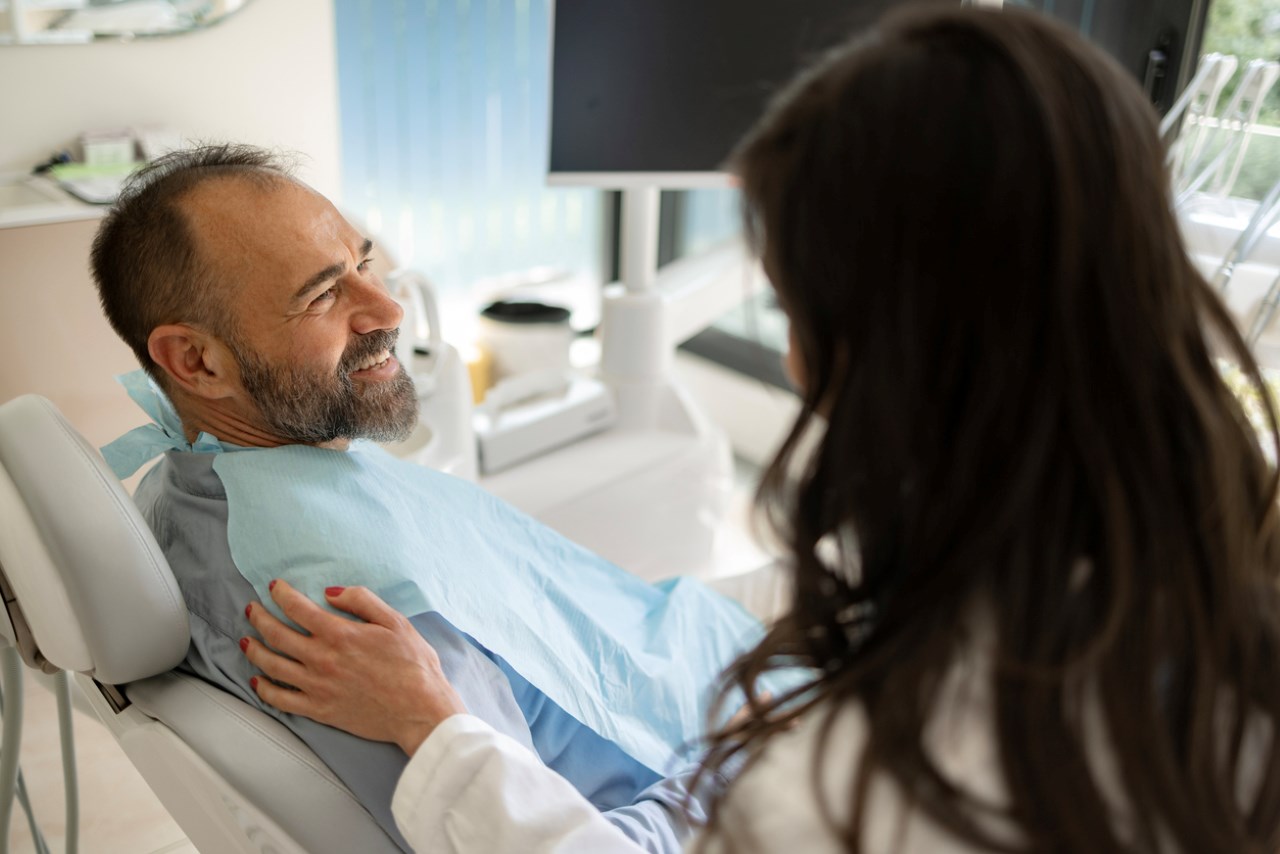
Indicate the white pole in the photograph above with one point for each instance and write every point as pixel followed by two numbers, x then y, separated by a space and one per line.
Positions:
pixel 635 353
pixel 640 238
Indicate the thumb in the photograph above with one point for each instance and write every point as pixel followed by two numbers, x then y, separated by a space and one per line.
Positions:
pixel 363 603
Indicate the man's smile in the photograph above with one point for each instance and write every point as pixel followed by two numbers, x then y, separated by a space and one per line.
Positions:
pixel 380 365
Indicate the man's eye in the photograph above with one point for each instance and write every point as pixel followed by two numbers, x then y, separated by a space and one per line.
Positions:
pixel 326 296
pixel 364 265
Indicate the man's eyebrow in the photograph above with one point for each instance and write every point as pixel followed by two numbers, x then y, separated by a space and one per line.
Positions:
pixel 333 271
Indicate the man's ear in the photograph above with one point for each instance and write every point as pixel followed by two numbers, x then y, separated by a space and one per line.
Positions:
pixel 196 361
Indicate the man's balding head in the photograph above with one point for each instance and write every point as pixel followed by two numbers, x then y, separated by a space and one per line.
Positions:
pixel 146 259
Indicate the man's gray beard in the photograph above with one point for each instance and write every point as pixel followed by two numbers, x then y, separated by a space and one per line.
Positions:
pixel 308 407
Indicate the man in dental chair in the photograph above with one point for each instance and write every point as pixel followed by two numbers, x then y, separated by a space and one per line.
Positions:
pixel 268 344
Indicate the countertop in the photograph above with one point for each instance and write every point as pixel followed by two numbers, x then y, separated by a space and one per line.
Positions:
pixel 37 200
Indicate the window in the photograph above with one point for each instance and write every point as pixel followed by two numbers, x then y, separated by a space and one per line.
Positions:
pixel 444 107
pixel 752 337
pixel 1156 40
pixel 1247 30
pixel 1227 160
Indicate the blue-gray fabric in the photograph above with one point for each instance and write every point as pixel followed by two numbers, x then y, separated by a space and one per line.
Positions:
pixel 183 500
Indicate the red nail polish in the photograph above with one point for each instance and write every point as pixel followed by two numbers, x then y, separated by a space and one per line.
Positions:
pixel 244 644
pixel 272 585
pixel 334 591
pixel 247 608
pixel 253 683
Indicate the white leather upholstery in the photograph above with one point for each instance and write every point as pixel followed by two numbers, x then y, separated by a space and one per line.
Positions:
pixel 88 590
pixel 103 571
pixel 265 763
pixel 40 586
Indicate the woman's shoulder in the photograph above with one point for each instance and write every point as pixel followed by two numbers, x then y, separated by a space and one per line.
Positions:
pixel 798 793
pixel 772 805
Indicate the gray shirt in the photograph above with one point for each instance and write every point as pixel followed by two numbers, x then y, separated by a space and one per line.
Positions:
pixel 185 503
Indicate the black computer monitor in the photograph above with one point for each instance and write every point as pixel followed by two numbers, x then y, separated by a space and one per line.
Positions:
pixel 657 92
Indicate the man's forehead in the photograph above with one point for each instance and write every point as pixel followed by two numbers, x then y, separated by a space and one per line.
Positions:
pixel 249 229
pixel 234 206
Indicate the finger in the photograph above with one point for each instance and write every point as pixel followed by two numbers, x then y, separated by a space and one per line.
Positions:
pixel 276 634
pixel 276 666
pixel 363 603
pixel 285 699
pixel 300 609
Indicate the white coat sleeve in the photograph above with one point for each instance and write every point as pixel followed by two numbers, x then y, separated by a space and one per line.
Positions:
pixel 469 789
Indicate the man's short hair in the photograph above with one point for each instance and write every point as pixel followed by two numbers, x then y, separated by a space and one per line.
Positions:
pixel 145 260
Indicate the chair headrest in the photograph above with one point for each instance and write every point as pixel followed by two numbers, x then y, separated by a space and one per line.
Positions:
pixel 87 577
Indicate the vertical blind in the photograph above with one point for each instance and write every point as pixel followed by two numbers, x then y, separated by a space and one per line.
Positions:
pixel 444 141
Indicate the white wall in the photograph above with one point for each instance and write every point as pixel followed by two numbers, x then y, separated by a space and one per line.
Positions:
pixel 266 75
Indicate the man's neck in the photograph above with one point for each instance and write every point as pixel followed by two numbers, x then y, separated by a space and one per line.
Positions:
pixel 224 420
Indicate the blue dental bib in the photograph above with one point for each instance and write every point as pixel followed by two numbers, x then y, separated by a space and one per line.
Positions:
pixel 635 662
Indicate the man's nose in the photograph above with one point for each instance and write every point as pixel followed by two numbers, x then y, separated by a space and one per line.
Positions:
pixel 376 309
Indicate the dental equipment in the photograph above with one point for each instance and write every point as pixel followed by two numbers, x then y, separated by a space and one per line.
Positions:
pixel 1266 311
pixel 1240 116
pixel 1266 78
pixel 88 590
pixel 12 783
pixel 444 438
pixel 1198 101
pixel 1201 95
pixel 1255 230
pixel 1267 214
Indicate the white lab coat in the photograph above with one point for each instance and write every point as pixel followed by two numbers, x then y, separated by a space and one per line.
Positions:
pixel 470 789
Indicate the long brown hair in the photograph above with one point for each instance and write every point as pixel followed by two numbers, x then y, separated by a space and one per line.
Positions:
pixel 966 216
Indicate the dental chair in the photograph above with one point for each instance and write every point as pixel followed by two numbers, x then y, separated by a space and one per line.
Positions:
pixel 87 590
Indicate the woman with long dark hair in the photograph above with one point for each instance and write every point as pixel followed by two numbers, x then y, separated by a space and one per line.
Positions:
pixel 1032 535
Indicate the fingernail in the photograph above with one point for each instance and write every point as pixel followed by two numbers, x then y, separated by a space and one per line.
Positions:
pixel 247 609
pixel 244 644
pixel 334 591
pixel 253 683
pixel 272 585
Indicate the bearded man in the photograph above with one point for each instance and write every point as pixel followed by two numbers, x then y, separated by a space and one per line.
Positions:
pixel 250 302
